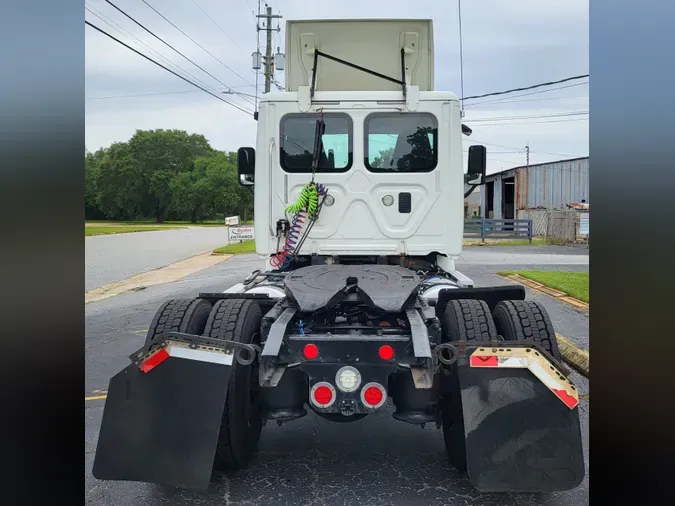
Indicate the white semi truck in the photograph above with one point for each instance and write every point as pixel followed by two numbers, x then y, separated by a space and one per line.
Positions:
pixel 359 189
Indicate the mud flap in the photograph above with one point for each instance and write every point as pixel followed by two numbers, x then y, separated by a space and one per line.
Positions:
pixel 161 422
pixel 522 430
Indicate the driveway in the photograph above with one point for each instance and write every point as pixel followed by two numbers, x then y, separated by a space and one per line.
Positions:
pixel 115 257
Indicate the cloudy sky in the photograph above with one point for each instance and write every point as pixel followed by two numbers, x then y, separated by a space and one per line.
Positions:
pixel 507 44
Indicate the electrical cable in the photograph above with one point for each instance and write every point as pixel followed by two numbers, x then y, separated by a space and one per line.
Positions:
pixel 168 45
pixel 219 27
pixel 165 68
pixel 550 83
pixel 121 29
pixel 534 116
pixel 528 94
pixel 197 43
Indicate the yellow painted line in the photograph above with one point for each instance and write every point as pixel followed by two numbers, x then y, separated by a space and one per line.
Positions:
pixel 556 294
pixel 95 397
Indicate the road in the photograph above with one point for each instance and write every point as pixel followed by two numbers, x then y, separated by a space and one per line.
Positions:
pixel 114 257
pixel 375 461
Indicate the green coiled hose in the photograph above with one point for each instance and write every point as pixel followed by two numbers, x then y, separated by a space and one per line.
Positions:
pixel 309 199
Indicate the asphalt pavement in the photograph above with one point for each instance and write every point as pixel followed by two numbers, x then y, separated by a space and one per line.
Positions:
pixel 375 461
pixel 115 257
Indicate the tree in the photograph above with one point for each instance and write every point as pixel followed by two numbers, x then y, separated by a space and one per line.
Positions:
pixel 160 155
pixel 120 194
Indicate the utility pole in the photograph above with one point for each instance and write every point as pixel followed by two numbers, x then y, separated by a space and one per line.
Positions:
pixel 268 52
pixel 527 154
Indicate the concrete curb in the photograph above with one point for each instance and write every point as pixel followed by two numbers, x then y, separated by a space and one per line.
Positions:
pixel 575 356
pixel 160 276
pixel 557 294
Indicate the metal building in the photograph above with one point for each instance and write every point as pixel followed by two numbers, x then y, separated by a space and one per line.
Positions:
pixel 550 185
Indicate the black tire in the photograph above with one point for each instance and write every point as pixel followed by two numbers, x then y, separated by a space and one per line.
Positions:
pixel 468 320
pixel 238 320
pixel 179 315
pixel 525 320
pixel 463 320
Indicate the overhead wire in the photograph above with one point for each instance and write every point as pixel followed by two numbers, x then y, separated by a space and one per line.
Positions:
pixel 121 29
pixel 533 116
pixel 170 46
pixel 567 120
pixel 197 43
pixel 217 25
pixel 529 100
pixel 550 83
pixel 167 69
pixel 528 94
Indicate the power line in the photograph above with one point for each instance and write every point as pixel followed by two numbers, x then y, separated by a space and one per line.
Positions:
pixel 193 40
pixel 499 102
pixel 528 94
pixel 165 68
pixel 219 27
pixel 511 147
pixel 121 29
pixel 533 122
pixel 533 116
pixel 167 44
pixel 143 95
pixel 550 83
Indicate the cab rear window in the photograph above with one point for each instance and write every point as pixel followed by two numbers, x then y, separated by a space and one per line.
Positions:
pixel 401 142
pixel 297 142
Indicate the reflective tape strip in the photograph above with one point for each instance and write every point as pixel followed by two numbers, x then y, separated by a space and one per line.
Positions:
pixel 553 384
pixel 523 358
pixel 201 355
pixel 154 360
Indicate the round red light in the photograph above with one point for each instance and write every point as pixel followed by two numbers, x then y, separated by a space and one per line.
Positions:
pixel 373 396
pixel 323 395
pixel 386 352
pixel 310 351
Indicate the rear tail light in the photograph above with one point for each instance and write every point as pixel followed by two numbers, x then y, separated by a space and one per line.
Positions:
pixel 322 394
pixel 373 395
pixel 386 352
pixel 310 351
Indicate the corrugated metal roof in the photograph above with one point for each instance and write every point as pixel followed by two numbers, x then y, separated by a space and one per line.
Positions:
pixel 513 169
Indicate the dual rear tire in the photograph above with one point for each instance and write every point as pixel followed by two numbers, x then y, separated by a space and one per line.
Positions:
pixel 472 321
pixel 232 320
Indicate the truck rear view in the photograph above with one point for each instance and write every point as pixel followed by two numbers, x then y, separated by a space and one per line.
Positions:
pixel 359 189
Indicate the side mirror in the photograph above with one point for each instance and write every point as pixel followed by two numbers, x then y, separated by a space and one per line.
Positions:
pixel 246 166
pixel 477 165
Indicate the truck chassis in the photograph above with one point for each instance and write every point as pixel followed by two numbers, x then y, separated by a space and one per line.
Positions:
pixel 482 364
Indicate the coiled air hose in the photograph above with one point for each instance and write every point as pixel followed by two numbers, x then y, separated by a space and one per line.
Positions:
pixel 306 207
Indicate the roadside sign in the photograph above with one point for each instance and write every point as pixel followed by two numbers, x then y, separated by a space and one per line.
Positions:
pixel 232 221
pixel 240 233
pixel 584 224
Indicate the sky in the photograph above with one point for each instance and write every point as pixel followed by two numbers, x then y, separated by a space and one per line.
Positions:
pixel 506 44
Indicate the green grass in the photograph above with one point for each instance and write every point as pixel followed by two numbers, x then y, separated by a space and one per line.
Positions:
pixel 122 229
pixel 236 248
pixel 574 284
pixel 168 224
pixel 536 241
